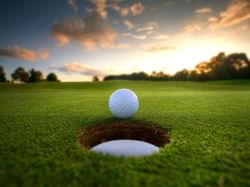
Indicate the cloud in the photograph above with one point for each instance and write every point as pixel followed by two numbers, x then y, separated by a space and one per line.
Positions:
pixel 148 28
pixel 212 19
pixel 194 27
pixel 101 7
pixel 160 37
pixel 89 32
pixel 134 9
pixel 236 12
pixel 158 48
pixel 119 46
pixel 80 68
pixel 24 54
pixel 239 30
pixel 124 11
pixel 128 24
pixel 204 10
pixel 72 4
pixel 138 37
pixel 115 6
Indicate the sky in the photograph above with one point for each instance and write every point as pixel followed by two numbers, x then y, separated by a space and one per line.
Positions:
pixel 78 39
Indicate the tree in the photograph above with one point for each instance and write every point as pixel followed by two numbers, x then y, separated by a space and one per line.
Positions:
pixel 158 76
pixel 238 66
pixel 182 75
pixel 137 76
pixel 35 76
pixel 193 76
pixel 222 67
pixel 20 75
pixel 2 75
pixel 219 67
pixel 95 78
pixel 52 77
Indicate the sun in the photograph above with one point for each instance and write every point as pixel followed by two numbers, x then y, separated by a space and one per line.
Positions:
pixel 186 56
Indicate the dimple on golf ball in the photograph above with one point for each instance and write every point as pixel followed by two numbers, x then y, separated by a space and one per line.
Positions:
pixel 123 103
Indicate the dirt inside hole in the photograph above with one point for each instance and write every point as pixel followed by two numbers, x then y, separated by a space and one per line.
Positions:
pixel 135 130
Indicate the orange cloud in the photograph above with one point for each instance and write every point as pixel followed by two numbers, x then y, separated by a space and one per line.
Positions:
pixel 80 68
pixel 194 27
pixel 237 12
pixel 90 31
pixel 61 38
pixel 101 7
pixel 124 11
pixel 128 24
pixel 134 9
pixel 24 54
pixel 204 10
pixel 149 28
pixel 119 46
pixel 212 19
pixel 158 48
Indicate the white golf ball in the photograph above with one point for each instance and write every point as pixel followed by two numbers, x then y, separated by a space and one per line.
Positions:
pixel 123 103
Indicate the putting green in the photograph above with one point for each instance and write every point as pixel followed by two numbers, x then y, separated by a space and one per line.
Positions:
pixel 209 126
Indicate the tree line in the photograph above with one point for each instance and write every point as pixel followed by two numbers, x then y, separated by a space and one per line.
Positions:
pixel 20 74
pixel 219 67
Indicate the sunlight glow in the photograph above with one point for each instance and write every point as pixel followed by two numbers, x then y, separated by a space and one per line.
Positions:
pixel 186 56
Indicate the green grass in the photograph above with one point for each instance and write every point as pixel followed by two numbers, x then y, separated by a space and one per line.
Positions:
pixel 209 124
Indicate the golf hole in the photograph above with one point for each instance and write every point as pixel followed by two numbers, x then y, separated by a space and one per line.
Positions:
pixel 124 138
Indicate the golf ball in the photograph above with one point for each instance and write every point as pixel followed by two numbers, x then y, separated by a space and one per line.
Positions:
pixel 123 103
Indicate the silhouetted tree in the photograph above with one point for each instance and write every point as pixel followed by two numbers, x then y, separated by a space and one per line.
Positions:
pixel 52 77
pixel 133 76
pixel 20 75
pixel 237 66
pixel 182 75
pixel 222 67
pixel 159 76
pixel 193 76
pixel 2 75
pixel 219 67
pixel 95 79
pixel 139 76
pixel 35 76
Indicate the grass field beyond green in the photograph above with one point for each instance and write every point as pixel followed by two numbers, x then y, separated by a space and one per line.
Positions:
pixel 209 125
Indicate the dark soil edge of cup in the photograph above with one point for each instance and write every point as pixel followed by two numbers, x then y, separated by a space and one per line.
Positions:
pixel 129 129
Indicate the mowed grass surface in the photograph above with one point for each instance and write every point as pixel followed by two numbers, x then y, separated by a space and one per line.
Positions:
pixel 209 124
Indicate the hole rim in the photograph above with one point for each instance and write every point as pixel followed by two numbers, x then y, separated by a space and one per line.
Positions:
pixel 121 130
